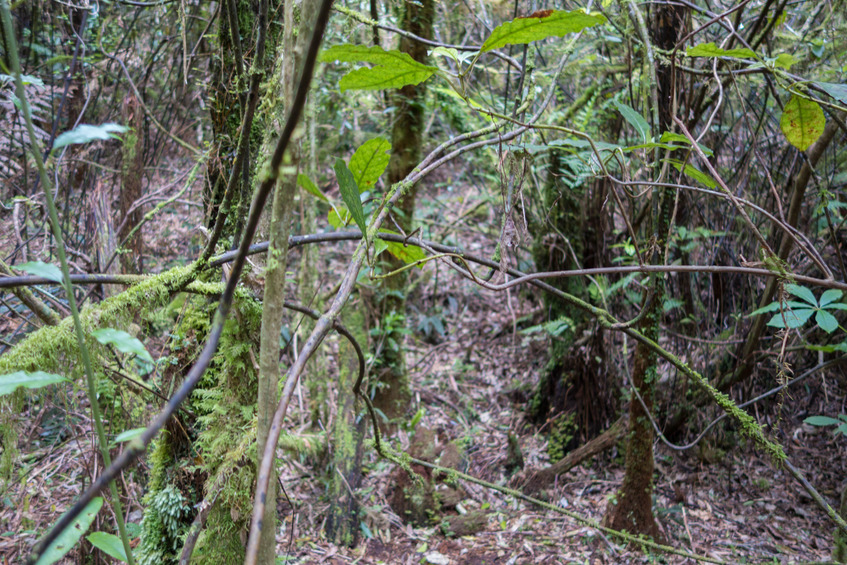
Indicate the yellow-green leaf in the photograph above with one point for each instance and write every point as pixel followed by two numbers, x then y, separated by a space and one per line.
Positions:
pixel 551 23
pixel 712 50
pixel 393 69
pixel 407 253
pixel 802 122
pixel 369 162
pixel 695 173
pixel 306 184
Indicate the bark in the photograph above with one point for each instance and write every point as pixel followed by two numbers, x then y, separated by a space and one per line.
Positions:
pixel 132 172
pixel 274 296
pixel 535 481
pixel 345 469
pixel 633 509
pixel 393 394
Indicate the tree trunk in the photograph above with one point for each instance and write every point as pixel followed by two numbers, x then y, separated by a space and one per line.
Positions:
pixel 573 393
pixel 633 509
pixel 274 295
pixel 131 174
pixel 393 394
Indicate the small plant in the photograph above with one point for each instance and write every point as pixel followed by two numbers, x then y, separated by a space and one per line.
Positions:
pixel 840 423
pixel 793 314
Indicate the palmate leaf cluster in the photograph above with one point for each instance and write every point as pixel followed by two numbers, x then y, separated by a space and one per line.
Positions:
pixel 793 314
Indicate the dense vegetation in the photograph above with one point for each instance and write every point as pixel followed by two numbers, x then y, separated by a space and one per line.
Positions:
pixel 625 219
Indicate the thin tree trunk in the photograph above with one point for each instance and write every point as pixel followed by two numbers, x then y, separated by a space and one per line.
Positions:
pixel 282 209
pixel 406 138
pixel 633 509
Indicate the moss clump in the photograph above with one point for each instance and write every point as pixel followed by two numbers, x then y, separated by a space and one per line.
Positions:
pixel 562 433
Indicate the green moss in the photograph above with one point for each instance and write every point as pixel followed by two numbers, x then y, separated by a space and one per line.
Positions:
pixel 562 432
pixel 55 348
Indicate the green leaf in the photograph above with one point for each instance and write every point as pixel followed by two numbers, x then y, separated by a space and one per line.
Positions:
pixel 802 293
pixel 791 318
pixel 394 69
pixel 711 50
pixel 41 269
pixel 406 253
pixel 553 24
pixel 306 184
pixel 379 246
pixel 350 193
pixel 775 306
pixel 68 538
pixel 671 137
pixel 369 162
pixel 837 91
pixel 836 306
pixel 802 122
pixel 830 295
pixel 26 79
pixel 826 321
pixel 458 56
pixel 635 119
pixel 9 383
pixel 109 544
pixel 123 342
pixel 84 133
pixel 784 61
pixel 821 421
pixel 695 173
pixel 339 217
pixel 129 435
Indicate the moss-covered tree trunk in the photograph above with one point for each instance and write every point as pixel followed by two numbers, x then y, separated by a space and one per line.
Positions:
pixel 345 468
pixel 232 70
pixel 132 170
pixel 632 510
pixel 573 394
pixel 393 393
pixel 282 208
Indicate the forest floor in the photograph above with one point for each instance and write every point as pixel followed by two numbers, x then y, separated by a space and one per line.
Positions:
pixel 728 505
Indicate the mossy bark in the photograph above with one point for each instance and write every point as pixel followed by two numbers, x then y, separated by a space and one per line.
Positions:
pixel 573 393
pixel 345 469
pixel 132 171
pixel 275 273
pixel 632 511
pixel 393 393
pixel 230 70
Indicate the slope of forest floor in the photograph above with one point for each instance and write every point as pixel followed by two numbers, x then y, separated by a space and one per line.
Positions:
pixel 732 506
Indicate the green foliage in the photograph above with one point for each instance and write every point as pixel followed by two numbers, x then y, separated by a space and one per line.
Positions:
pixel 350 193
pixel 711 50
pixel 110 544
pixel 798 313
pixel 306 183
pixel 123 342
pixel 840 423
pixel 165 522
pixel 837 91
pixel 85 133
pixel 635 119
pixel 41 269
pixel 552 24
pixel 37 379
pixel 802 122
pixel 562 433
pixel 369 162
pixel 393 69
pixel 68 538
